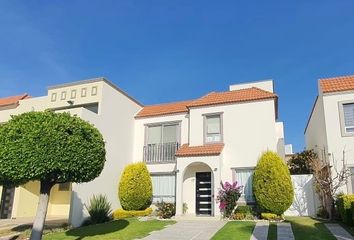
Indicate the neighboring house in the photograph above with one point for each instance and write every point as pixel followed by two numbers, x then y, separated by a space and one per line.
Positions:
pixel 330 128
pixel 188 146
pixel 112 111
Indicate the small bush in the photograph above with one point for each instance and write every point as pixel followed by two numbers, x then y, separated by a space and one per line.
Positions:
pixel 121 213
pixel 344 205
pixel 322 212
pixel 135 187
pixel 99 209
pixel 239 216
pixel 166 210
pixel 244 209
pixel 271 217
pixel 272 184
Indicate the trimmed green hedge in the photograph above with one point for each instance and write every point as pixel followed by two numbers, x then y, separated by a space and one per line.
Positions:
pixel 135 187
pixel 272 184
pixel 121 213
pixel 344 204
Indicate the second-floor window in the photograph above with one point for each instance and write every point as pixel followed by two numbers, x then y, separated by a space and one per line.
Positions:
pixel 161 142
pixel 164 133
pixel 212 128
pixel 348 111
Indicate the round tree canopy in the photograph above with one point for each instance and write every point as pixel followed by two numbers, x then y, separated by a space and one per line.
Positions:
pixel 51 147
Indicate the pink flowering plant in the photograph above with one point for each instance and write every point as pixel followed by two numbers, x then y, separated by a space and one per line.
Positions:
pixel 227 197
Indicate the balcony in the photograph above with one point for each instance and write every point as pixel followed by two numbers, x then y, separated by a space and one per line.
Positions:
pixel 160 152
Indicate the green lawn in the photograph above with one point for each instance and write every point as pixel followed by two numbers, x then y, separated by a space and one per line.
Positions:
pixel 125 229
pixel 308 228
pixel 303 228
pixel 272 231
pixel 235 230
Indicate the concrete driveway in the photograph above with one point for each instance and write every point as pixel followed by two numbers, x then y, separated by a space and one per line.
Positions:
pixel 188 230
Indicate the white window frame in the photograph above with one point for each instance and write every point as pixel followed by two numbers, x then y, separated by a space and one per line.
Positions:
pixel 242 197
pixel 162 124
pixel 342 119
pixel 166 196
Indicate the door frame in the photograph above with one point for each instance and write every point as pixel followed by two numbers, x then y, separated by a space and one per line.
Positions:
pixel 211 194
pixel 10 192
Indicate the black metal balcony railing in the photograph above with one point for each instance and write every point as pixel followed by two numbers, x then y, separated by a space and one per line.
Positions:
pixel 160 152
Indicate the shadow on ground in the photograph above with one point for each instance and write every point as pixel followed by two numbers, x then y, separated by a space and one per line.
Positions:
pixel 93 230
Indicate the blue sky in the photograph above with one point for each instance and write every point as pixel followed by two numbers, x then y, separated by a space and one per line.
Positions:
pixel 162 51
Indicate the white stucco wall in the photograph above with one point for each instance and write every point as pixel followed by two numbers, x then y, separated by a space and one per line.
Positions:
pixel 266 85
pixel 315 133
pixel 249 129
pixel 116 123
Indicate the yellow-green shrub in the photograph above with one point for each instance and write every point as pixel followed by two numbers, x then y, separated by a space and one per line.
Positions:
pixel 272 184
pixel 271 216
pixel 135 187
pixel 121 213
pixel 344 203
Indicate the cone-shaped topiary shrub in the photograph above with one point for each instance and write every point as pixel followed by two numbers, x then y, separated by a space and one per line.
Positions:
pixel 272 184
pixel 135 187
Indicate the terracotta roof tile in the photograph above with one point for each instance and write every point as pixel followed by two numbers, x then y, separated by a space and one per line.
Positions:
pixel 204 150
pixel 213 98
pixel 243 95
pixel 13 99
pixel 163 109
pixel 337 84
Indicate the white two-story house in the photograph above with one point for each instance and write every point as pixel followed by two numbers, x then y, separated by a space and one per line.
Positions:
pixel 188 146
pixel 330 128
pixel 191 146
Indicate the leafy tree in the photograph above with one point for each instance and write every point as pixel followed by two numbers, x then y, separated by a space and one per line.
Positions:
pixel 135 187
pixel 50 148
pixel 272 184
pixel 300 163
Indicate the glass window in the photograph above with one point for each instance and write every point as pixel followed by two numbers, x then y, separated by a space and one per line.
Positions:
pixel 348 110
pixel 154 134
pixel 169 133
pixel 244 178
pixel 213 129
pixel 163 188
pixel 162 134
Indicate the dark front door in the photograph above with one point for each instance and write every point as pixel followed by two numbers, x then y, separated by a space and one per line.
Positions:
pixel 203 193
pixel 7 199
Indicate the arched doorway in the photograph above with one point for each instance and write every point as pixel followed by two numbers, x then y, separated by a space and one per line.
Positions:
pixel 198 189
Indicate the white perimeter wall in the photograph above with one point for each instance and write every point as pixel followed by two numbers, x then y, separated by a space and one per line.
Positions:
pixel 305 201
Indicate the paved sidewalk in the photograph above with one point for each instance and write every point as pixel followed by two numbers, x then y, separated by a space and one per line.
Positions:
pixel 188 230
pixel 338 231
pixel 285 231
pixel 260 231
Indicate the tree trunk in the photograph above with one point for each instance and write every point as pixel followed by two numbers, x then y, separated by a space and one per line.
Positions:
pixel 38 224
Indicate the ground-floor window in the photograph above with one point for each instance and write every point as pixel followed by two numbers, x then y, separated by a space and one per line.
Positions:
pixel 244 177
pixel 163 187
